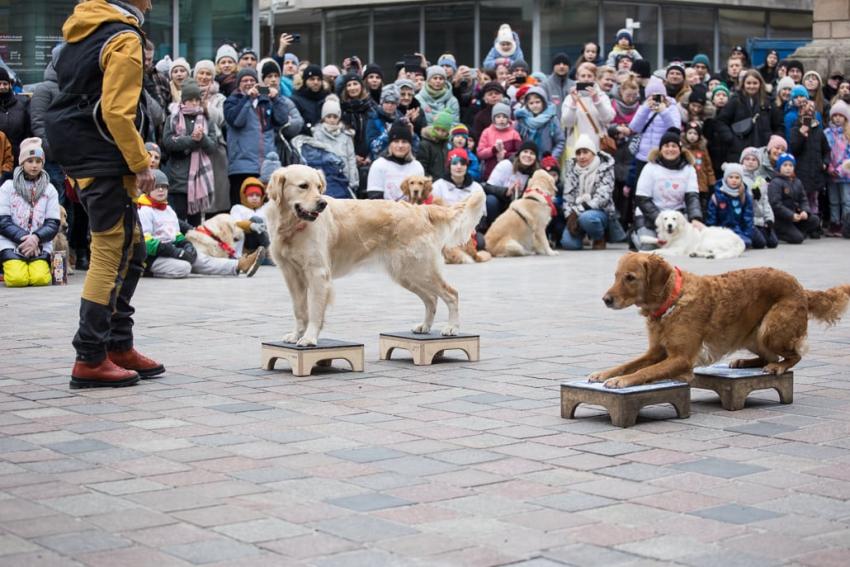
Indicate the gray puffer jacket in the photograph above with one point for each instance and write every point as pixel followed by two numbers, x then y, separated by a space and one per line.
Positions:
pixel 43 94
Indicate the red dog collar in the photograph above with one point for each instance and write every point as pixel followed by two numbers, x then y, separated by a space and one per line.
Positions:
pixel 668 305
pixel 231 253
pixel 547 197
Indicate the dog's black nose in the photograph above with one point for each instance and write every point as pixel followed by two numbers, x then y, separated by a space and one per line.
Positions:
pixel 321 205
pixel 608 300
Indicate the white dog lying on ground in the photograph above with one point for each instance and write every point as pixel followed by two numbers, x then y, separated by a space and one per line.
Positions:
pixel 677 237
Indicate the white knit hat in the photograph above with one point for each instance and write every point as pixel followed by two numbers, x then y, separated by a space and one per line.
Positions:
pixel 785 83
pixel 180 62
pixel 31 148
pixel 730 168
pixel 331 106
pixel 226 50
pixel 842 108
pixel 585 143
pixel 505 33
pixel 204 64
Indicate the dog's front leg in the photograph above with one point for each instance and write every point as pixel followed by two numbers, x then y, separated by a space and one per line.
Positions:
pixel 298 293
pixel 650 357
pixel 318 296
pixel 541 244
pixel 669 368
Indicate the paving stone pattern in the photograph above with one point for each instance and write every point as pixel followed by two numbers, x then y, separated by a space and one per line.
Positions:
pixel 470 464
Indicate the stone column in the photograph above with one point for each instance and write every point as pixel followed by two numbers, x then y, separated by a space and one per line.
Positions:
pixel 830 47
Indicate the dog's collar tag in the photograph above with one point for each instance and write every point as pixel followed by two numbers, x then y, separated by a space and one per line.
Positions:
pixel 668 305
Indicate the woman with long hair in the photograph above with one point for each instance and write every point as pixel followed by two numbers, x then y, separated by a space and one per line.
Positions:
pixel 748 115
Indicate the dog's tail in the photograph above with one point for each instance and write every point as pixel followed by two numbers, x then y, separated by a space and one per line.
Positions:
pixel 456 223
pixel 828 306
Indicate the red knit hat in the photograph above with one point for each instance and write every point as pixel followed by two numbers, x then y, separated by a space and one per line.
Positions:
pixel 457 153
pixel 549 163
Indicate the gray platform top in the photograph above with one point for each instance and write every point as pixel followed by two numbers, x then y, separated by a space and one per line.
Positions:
pixel 723 371
pixel 323 344
pixel 432 336
pixel 600 386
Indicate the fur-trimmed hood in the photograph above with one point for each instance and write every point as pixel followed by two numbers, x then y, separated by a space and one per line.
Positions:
pixel 656 153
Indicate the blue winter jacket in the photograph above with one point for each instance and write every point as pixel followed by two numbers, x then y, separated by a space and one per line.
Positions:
pixel 252 130
pixel 729 212
pixel 493 54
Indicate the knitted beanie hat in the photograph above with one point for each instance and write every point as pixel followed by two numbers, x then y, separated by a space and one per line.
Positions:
pixel 190 90
pixel 528 145
pixel 204 64
pixel 785 83
pixel 270 164
pixel 373 69
pixel 179 62
pixel 842 108
pixel 655 86
pixel 459 130
pixel 390 93
pixel 31 148
pixel 331 106
pixel 331 71
pixel 443 120
pixel 786 157
pixel 671 135
pixel 459 153
pixel 226 50
pixel 721 88
pixel 312 71
pixel 400 131
pixel 777 142
pixel 584 142
pixel 623 32
pixel 732 168
pixel 434 70
pixel 749 152
pixel 701 58
pixel 246 72
pixel 160 179
pixel 500 108
pixel 447 59
pixel 799 90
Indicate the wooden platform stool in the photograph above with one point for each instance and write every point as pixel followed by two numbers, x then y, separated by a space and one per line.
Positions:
pixel 302 359
pixel 425 348
pixel 623 404
pixel 733 385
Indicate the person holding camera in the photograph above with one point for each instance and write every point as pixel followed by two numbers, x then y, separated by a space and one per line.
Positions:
pixel 811 148
pixel 254 113
pixel 653 118
pixel 587 110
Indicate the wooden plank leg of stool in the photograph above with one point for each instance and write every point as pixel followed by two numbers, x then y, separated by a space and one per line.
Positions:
pixel 785 388
pixel 425 348
pixel 624 411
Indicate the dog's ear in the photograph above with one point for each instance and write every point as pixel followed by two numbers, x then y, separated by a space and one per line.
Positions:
pixel 658 272
pixel 323 184
pixel 274 188
pixel 405 186
pixel 429 183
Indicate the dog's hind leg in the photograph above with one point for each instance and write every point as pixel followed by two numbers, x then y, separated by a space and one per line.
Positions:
pixel 429 298
pixel 783 333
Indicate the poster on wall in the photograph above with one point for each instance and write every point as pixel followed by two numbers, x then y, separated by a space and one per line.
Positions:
pixel 43 47
pixel 11 49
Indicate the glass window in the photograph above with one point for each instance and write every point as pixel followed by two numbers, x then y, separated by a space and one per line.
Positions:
pixel 347 34
pixel 494 13
pixel 791 25
pixel 29 30
pixel 566 25
pixel 309 48
pixel 396 35
pixel 206 24
pixel 736 26
pixel 687 31
pixel 158 28
pixel 450 28
pixel 645 38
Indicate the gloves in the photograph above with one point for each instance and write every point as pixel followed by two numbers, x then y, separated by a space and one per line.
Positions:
pixel 189 252
pixel 756 193
pixel 572 224
pixel 168 250
pixel 258 227
pixel 583 198
pixel 769 225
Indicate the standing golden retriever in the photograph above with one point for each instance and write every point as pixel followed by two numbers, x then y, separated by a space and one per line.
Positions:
pixel 521 230
pixel 695 320
pixel 316 238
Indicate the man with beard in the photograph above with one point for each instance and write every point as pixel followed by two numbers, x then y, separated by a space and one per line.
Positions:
pixel 310 97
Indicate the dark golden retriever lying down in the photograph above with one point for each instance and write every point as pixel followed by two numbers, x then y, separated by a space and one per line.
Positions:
pixel 695 320
pixel 315 238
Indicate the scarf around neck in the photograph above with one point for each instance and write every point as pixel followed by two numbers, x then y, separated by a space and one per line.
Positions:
pixel 30 190
pixel 587 176
pixel 435 95
pixel 532 126
pixel 200 183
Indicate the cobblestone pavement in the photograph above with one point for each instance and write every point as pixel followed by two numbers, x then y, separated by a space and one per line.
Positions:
pixel 220 463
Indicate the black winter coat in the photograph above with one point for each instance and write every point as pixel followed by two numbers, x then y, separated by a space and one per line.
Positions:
pixel 812 153
pixel 309 105
pixel 15 120
pixel 741 107
pixel 355 115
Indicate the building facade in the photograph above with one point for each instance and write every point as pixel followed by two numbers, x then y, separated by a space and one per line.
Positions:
pixel 665 30
pixel 29 29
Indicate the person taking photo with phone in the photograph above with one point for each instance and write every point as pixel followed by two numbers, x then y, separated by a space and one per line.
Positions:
pixel 587 109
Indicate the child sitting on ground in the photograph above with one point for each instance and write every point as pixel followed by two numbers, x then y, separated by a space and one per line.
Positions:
pixel 170 255
pixel 250 216
pixel 794 220
pixel 29 220
pixel 697 145
pixel 731 206
pixel 763 235
pixel 459 139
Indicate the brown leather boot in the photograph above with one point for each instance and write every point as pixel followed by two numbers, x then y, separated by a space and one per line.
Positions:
pixel 134 360
pixel 250 263
pixel 599 244
pixel 103 374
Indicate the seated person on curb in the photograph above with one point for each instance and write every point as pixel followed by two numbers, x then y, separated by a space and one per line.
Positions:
pixel 456 184
pixel 763 219
pixel 588 206
pixel 508 179
pixel 668 182
pixel 29 220
pixel 170 255
pixel 794 221
pixel 731 206
pixel 396 165
pixel 250 216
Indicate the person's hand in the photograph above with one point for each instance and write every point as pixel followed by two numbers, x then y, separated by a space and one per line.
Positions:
pixel 697 224
pixel 422 59
pixel 402 74
pixel 197 133
pixel 804 131
pixel 796 217
pixel 623 130
pixel 145 180
pixel 412 114
pixel 583 198
pixel 254 92
pixel 360 160
pixel 273 92
pixel 258 228
pixel 593 92
pixel 513 188
pixel 189 252
pixel 29 246
pixel 284 42
pixel 574 95
pixel 804 215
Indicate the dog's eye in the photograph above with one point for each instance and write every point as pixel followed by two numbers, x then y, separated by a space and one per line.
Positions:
pixel 630 277
pixel 304 186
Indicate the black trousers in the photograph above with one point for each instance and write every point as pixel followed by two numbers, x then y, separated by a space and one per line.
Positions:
pixel 796 232
pixel 117 261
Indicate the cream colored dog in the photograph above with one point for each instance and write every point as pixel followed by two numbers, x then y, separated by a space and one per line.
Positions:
pixel 316 238
pixel 521 230
pixel 216 237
